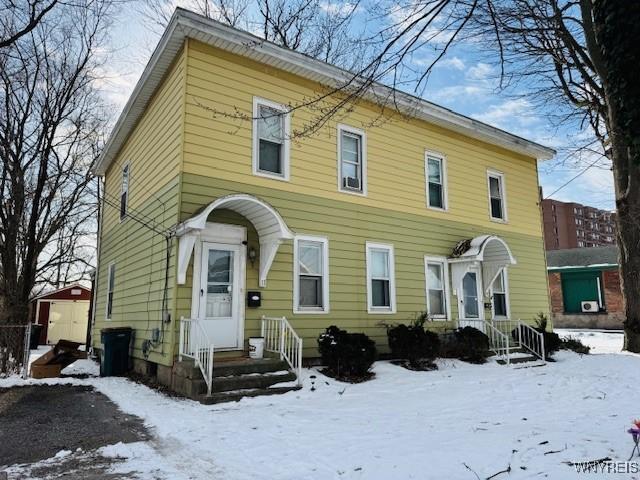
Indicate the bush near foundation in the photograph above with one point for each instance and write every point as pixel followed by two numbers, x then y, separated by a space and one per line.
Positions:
pixel 347 356
pixel 415 347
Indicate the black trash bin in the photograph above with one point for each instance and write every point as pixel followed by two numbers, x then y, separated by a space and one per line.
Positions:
pixel 34 340
pixel 115 351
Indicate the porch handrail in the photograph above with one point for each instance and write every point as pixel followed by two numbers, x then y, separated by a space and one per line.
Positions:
pixel 198 347
pixel 280 337
pixel 531 339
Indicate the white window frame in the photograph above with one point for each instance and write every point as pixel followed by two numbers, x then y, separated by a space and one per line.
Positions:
pixel 363 147
pixel 127 167
pixel 392 308
pixel 503 188
pixel 443 173
pixel 110 274
pixel 505 280
pixel 325 276
pixel 286 145
pixel 445 281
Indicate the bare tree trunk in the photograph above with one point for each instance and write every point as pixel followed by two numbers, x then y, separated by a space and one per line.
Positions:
pixel 617 29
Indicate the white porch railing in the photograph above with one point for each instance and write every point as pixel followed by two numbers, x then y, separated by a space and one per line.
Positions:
pixel 506 335
pixel 281 338
pixel 195 344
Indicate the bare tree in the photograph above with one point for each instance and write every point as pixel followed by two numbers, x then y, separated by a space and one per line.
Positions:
pixel 52 122
pixel 18 18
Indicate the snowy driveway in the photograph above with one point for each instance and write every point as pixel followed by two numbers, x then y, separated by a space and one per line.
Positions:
pixel 453 423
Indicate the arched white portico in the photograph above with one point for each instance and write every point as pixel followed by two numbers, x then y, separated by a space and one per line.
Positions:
pixel 484 256
pixel 269 225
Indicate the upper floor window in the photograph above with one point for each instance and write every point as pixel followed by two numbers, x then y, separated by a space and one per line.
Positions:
pixel 500 301
pixel 311 270
pixel 437 281
pixel 110 287
pixel 352 160
pixel 124 192
pixel 436 181
pixel 381 295
pixel 271 131
pixel 497 197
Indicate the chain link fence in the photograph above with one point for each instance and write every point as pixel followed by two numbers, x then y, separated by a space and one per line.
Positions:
pixel 14 349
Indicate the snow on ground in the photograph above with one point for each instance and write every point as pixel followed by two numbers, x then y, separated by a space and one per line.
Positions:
pixel 600 341
pixel 401 425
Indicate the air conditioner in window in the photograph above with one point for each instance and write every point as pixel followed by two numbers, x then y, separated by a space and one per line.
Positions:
pixel 589 306
pixel 352 183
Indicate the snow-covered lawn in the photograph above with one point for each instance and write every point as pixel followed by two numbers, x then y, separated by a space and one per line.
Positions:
pixel 401 425
pixel 600 341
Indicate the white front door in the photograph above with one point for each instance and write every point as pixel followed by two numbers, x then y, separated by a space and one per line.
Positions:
pixel 221 295
pixel 471 305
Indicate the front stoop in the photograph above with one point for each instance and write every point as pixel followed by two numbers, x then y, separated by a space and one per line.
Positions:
pixel 233 379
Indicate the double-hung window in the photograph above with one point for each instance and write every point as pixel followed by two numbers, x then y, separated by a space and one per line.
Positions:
pixel 499 295
pixel 497 196
pixel 110 286
pixel 124 192
pixel 271 125
pixel 436 181
pixel 352 160
pixel 381 295
pixel 437 282
pixel 311 275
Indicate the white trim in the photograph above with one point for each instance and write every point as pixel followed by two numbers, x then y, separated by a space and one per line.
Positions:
pixel 392 278
pixel 325 275
pixel 445 281
pixel 126 166
pixel 62 289
pixel 505 285
pixel 109 275
pixel 443 174
pixel 363 167
pixel 503 190
pixel 286 141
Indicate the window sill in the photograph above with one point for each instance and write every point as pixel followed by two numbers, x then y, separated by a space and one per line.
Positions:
pixel 272 176
pixel 352 192
pixel 381 311
pixel 437 209
pixel 498 220
pixel 311 311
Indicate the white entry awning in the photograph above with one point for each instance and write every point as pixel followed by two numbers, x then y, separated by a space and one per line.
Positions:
pixel 271 228
pixel 488 251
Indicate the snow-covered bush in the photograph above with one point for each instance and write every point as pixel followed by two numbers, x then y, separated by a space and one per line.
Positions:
pixel 574 345
pixel 468 344
pixel 552 341
pixel 419 347
pixel 347 356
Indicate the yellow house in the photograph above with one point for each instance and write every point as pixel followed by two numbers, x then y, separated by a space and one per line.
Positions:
pixel 220 223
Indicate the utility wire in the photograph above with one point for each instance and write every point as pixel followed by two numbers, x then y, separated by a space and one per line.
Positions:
pixel 572 179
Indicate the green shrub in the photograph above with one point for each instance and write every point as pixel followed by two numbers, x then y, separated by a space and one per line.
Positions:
pixel 574 345
pixel 419 347
pixel 468 344
pixel 347 356
pixel 552 341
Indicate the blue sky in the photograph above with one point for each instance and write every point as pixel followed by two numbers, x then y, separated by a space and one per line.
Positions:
pixel 465 81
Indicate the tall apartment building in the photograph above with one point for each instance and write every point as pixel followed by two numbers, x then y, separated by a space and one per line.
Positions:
pixel 572 225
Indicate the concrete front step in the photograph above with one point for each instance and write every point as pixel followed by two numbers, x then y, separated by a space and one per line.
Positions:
pixel 236 395
pixel 250 381
pixel 520 359
pixel 244 366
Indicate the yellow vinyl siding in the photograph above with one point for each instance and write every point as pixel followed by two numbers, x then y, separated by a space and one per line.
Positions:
pixel 348 229
pixel 154 153
pixel 217 145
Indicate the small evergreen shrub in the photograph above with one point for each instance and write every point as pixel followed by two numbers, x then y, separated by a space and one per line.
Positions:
pixel 574 345
pixel 413 344
pixel 347 356
pixel 552 341
pixel 468 344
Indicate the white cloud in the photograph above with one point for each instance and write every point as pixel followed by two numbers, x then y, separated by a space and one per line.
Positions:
pixel 504 115
pixel 455 63
pixel 480 72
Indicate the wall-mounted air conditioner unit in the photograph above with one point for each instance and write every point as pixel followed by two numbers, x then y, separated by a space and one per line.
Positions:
pixel 589 307
pixel 352 183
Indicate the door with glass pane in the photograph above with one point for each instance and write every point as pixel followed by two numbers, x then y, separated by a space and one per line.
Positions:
pixel 221 295
pixel 470 298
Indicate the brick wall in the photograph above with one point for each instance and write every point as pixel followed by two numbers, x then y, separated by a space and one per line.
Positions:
pixel 612 291
pixel 555 292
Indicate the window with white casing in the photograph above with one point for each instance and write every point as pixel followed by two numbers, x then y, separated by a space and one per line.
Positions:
pixel 437 287
pixel 271 133
pixel 124 191
pixel 499 295
pixel 497 196
pixel 110 287
pixel 381 295
pixel 352 160
pixel 436 173
pixel 311 275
